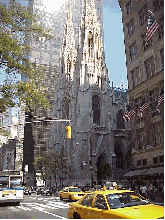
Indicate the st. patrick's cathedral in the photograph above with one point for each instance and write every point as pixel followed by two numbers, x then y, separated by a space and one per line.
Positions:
pixel 99 147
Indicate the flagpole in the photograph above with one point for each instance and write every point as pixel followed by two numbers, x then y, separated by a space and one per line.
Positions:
pixel 154 16
pixel 151 12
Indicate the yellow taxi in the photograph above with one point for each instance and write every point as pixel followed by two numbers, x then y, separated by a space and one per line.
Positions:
pixel 71 193
pixel 114 204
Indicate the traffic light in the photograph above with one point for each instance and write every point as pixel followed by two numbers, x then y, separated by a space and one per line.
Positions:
pixel 69 131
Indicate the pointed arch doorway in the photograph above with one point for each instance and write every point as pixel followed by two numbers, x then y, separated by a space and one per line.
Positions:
pixel 103 169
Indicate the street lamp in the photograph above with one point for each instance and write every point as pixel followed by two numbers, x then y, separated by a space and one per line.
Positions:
pixel 112 163
pixel 91 169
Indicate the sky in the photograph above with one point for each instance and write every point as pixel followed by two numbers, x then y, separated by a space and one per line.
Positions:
pixel 114 42
pixel 113 39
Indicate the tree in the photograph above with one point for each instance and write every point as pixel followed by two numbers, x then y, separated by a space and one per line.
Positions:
pixel 53 164
pixel 18 26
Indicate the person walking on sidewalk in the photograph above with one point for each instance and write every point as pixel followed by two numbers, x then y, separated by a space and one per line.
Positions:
pixel 136 189
pixel 155 193
pixel 144 191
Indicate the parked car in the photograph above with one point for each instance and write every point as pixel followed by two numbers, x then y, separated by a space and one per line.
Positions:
pixel 27 191
pixel 114 204
pixel 71 193
pixel 40 190
pixel 47 191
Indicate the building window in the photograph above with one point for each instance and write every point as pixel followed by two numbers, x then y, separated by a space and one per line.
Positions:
pixel 161 159
pixel 153 97
pixel 96 109
pixel 138 163
pixel 161 139
pixel 143 15
pixel 154 114
pixel 120 121
pixel 149 67
pixel 161 28
pixel 133 52
pixel 139 142
pixel 158 5
pixel 90 45
pixel 137 103
pixel 144 45
pixel 144 162
pixel 162 57
pixel 130 28
pixel 128 7
pixel 135 77
pixel 65 108
pixel 155 160
pixel 68 65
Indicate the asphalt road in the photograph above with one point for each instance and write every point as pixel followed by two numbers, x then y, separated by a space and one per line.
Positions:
pixel 39 207
pixel 36 207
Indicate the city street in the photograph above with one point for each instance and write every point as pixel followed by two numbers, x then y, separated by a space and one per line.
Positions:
pixel 39 207
pixel 36 207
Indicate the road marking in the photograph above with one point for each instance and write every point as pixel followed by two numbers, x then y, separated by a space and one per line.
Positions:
pixel 24 208
pixel 14 209
pixel 38 206
pixel 51 205
pixel 49 213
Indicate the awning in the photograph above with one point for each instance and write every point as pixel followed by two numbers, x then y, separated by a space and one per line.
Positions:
pixel 139 172
pixel 135 173
pixel 129 174
pixel 156 170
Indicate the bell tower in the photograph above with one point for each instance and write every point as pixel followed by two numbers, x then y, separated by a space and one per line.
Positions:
pixel 93 70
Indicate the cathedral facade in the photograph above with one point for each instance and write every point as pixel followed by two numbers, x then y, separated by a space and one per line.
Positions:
pixel 99 146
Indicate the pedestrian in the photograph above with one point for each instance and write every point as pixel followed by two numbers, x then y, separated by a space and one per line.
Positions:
pixel 163 191
pixel 136 189
pixel 144 191
pixel 155 193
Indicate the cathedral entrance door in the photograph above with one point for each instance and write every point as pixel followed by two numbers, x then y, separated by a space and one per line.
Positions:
pixel 103 170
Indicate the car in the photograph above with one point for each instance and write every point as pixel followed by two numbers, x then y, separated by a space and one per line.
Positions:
pixel 40 190
pixel 27 191
pixel 72 193
pixel 114 204
pixel 47 191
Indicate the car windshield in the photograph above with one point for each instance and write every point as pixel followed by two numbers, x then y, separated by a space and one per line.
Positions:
pixel 125 199
pixel 75 190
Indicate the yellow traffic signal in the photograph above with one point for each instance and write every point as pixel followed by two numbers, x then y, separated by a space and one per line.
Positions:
pixel 69 131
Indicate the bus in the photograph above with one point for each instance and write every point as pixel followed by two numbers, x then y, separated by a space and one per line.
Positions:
pixel 11 187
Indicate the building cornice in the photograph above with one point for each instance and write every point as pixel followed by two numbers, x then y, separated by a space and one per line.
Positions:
pixel 146 85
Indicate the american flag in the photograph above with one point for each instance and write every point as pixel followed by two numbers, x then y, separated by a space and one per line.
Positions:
pixel 128 114
pixel 152 27
pixel 144 106
pixel 160 100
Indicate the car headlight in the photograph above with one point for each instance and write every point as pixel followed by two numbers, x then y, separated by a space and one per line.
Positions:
pixel 75 195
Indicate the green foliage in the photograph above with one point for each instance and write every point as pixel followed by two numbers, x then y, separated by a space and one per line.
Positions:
pixel 53 164
pixel 18 27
